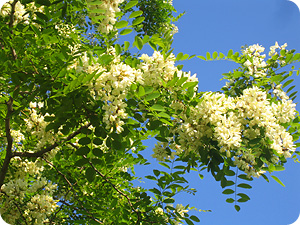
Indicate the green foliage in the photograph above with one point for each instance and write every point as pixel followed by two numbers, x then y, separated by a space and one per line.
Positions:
pixel 76 108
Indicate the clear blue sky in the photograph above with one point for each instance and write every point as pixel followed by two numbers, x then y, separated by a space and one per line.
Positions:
pixel 219 25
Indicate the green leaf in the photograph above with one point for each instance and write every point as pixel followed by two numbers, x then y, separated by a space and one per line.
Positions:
pixel 99 2
pixel 81 162
pixel 118 49
pixel 138 20
pixel 237 208
pixel 279 168
pixel 42 16
pixel 189 84
pixel 151 177
pixel 242 200
pixel 155 191
pixel 244 196
pixel 138 42
pixel 243 185
pixel 221 55
pixel 179 56
pixel 245 177
pixel 126 45
pixel 84 141
pixel 164 164
pixel 121 24
pixel 165 115
pixel 158 107
pixel 255 141
pixel 186 56
pixel 290 88
pixel 90 174
pixel 201 57
pixel 156 172
pixel 97 152
pixel 229 183
pixel 230 53
pixel 141 91
pixel 181 81
pixel 83 150
pixel 230 200
pixel 152 96
pixel 130 4
pixel 287 83
pixel 161 139
pixel 215 55
pixel 265 177
pixel 228 192
pixel 169 200
pixel 195 218
pixel 277 180
pixel 148 89
pixel 135 14
pixel 98 141
pixel 229 173
pixel 125 31
pixel 98 11
pixel 208 57
pixel 188 221
pixel 43 2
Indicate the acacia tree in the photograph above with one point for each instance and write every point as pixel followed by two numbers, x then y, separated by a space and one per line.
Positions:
pixel 77 100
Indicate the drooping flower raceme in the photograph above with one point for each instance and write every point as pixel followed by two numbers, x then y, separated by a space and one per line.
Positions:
pixel 156 69
pixel 106 12
pixel 112 87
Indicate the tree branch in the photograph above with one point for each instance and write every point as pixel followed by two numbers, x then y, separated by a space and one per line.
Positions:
pixel 51 147
pixel 9 139
pixel 11 22
pixel 114 187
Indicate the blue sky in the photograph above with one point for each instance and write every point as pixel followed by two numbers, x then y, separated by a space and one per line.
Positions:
pixel 218 25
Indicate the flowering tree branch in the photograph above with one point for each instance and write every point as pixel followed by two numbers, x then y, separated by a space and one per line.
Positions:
pixel 51 147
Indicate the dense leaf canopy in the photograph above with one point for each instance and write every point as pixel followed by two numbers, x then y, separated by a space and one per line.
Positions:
pixel 78 99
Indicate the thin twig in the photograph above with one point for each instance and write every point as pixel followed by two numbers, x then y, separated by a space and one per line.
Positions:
pixel 114 187
pixel 51 147
pixel 66 179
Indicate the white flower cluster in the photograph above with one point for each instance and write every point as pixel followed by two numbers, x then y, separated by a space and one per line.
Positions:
pixel 17 190
pixel 20 14
pixel 157 69
pixel 65 29
pixel 18 137
pixel 255 63
pixel 233 123
pixel 84 63
pixel 106 12
pixel 112 87
pixel 180 209
pixel 160 152
pixel 168 2
pixel 36 126
pixel 274 49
